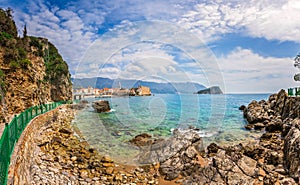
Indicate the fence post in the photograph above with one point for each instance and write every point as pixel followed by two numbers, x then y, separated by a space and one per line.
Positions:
pixel 8 138
pixel 36 109
pixel 26 115
pixel 15 123
pixel 30 113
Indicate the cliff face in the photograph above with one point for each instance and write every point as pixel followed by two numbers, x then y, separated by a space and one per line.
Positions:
pixel 32 71
pixel 280 117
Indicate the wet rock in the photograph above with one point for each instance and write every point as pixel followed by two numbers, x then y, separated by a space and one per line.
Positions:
pixel 101 106
pixel 249 126
pixel 259 126
pixel 242 107
pixel 212 149
pixel 142 140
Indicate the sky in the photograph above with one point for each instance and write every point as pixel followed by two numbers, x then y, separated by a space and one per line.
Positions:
pixel 242 46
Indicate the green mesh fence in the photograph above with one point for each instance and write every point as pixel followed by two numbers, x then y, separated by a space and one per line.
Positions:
pixel 13 131
pixel 294 91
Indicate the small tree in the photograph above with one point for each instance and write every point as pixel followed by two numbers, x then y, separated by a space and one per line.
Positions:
pixel 9 13
pixel 297 64
pixel 25 32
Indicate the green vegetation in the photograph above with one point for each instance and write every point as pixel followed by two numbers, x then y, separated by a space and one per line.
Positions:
pixel 5 36
pixel 36 42
pixel 55 65
pixel 16 52
pixel 2 84
pixel 7 24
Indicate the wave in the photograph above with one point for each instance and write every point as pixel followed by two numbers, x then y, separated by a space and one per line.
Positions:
pixel 112 110
pixel 201 133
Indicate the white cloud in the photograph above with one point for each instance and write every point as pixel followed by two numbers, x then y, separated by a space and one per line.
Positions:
pixel 64 28
pixel 74 28
pixel 270 19
pixel 245 71
pixel 138 50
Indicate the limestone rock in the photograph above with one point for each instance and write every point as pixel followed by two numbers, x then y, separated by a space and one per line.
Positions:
pixel 101 106
pixel 142 140
pixel 242 107
pixel 292 152
pixel 177 155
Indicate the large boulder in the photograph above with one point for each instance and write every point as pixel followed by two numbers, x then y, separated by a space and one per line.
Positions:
pixel 226 167
pixel 177 155
pixel 142 140
pixel 280 102
pixel 101 106
pixel 257 112
pixel 292 150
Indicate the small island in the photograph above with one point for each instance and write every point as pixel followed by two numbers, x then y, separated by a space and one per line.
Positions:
pixel 211 90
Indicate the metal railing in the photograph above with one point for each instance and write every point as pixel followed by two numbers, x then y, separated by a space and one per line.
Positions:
pixel 13 131
pixel 294 91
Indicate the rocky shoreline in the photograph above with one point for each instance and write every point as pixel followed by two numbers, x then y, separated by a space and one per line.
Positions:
pixel 275 159
pixel 61 157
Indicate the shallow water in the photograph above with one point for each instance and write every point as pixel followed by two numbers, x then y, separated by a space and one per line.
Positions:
pixel 217 116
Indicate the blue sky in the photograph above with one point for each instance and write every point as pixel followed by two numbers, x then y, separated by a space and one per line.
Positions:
pixel 243 46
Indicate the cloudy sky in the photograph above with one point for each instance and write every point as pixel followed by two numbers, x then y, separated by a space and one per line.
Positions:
pixel 243 46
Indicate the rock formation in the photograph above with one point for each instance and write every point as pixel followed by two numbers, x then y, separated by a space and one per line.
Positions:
pixel 101 106
pixel 176 156
pixel 211 90
pixel 275 159
pixel 32 71
pixel 59 156
pixel 279 116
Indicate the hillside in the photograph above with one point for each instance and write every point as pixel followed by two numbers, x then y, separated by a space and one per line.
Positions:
pixel 163 88
pixel 32 71
pixel 211 90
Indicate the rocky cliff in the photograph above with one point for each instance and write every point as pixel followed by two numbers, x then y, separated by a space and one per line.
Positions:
pixel 280 117
pixel 274 159
pixel 32 71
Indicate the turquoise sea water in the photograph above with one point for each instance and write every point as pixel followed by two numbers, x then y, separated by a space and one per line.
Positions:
pixel 217 116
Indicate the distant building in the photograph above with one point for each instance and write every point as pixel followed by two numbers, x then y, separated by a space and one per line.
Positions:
pixel 143 91
pixel 106 92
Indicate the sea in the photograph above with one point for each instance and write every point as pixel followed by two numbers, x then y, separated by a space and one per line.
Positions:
pixel 217 117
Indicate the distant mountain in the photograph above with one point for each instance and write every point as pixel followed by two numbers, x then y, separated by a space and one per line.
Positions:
pixel 163 88
pixel 211 90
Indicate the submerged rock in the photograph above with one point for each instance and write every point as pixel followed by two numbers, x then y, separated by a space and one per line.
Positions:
pixel 101 106
pixel 242 107
pixel 142 140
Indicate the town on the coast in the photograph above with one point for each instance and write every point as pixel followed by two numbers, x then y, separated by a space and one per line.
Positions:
pixel 91 92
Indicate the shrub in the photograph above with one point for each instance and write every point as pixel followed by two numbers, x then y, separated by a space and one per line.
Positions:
pixel 2 83
pixel 14 64
pixel 4 36
pixel 24 63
